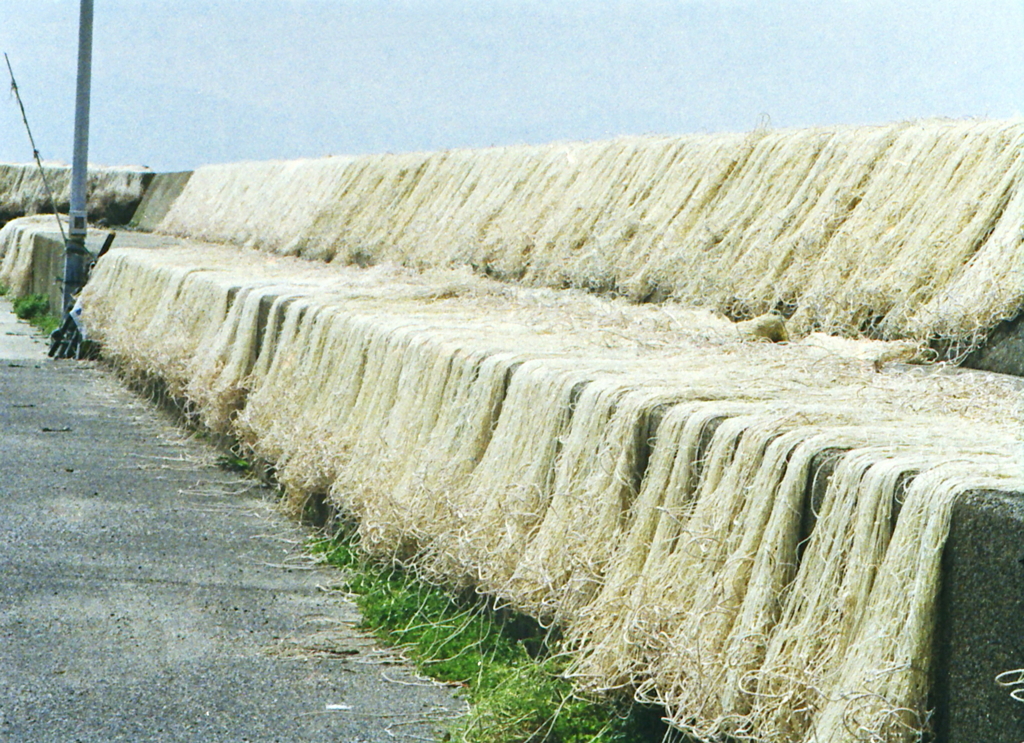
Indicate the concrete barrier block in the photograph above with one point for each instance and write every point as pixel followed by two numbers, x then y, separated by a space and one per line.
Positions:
pixel 981 621
pixel 1003 352
pixel 158 199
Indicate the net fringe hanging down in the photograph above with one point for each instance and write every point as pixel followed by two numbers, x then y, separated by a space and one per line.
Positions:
pixel 642 475
pixel 908 230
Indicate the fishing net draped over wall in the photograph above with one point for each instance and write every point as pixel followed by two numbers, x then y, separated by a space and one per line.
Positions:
pixel 111 193
pixel 909 230
pixel 747 533
pixel 17 252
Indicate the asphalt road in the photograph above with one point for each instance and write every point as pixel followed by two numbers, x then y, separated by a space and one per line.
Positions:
pixel 148 595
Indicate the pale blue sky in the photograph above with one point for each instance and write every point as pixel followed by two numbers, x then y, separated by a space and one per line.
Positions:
pixel 179 84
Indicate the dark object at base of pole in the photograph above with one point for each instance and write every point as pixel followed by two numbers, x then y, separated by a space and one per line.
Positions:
pixel 66 342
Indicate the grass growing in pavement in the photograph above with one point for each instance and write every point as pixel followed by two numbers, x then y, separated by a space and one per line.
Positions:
pixel 36 309
pixel 510 671
pixel 234 463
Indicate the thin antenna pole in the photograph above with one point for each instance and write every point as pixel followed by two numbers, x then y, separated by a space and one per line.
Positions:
pixel 76 256
pixel 35 152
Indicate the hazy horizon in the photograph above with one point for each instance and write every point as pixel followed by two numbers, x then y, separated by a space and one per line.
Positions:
pixel 221 81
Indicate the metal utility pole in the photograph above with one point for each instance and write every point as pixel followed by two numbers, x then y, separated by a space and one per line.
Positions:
pixel 76 257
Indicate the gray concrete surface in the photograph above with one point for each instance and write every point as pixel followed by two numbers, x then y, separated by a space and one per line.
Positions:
pixel 148 595
pixel 18 340
pixel 1003 352
pixel 981 621
pixel 158 199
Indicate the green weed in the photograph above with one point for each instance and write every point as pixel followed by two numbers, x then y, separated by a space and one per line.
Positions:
pixel 31 306
pixel 48 323
pixel 512 671
pixel 234 463
pixel 35 308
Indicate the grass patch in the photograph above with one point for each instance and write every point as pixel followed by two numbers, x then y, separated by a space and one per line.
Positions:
pixel 35 308
pixel 511 670
pixel 4 290
pixel 234 463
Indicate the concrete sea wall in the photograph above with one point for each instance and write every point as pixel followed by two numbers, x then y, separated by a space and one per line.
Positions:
pixel 903 231
pixel 798 541
pixel 750 534
pixel 32 256
pixel 113 194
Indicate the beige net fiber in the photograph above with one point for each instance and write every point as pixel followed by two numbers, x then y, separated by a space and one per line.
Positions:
pixel 747 533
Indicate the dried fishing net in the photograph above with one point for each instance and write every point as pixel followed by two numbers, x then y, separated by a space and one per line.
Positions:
pixel 883 681
pixel 244 191
pixel 161 319
pixel 411 507
pixel 17 252
pixel 642 475
pixel 909 230
pixel 740 626
pixel 111 193
pixel 497 508
pixel 822 606
pixel 600 473
pixel 216 384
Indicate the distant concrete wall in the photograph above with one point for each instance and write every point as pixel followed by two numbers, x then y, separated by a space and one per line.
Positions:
pixel 113 193
pixel 132 197
pixel 160 194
